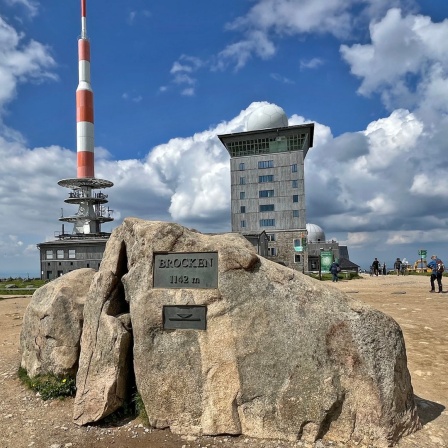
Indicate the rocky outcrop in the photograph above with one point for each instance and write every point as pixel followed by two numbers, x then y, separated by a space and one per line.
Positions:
pixel 106 359
pixel 282 356
pixel 52 325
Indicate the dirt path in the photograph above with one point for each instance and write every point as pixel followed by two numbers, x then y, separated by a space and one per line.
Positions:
pixel 27 421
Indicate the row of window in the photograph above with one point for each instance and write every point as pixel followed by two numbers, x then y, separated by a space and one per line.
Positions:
pixel 267 193
pixel 263 223
pixel 266 145
pixel 268 208
pixel 295 242
pixel 266 178
pixel 272 252
pixel 261 165
pixel 49 254
pixel 261 179
pixel 268 222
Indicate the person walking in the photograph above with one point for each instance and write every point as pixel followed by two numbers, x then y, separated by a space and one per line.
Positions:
pixel 397 266
pixel 437 267
pixel 335 269
pixel 376 266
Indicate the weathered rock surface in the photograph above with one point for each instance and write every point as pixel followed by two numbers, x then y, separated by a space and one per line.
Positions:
pixel 52 325
pixel 283 356
pixel 105 365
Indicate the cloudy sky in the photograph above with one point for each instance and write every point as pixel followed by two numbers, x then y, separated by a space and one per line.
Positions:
pixel 169 76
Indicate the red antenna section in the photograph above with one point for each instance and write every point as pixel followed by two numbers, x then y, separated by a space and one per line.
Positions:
pixel 92 212
pixel 84 105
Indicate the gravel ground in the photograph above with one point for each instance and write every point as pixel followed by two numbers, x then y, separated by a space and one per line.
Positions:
pixel 28 421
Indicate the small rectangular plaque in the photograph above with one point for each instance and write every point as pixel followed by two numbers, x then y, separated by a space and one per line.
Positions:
pixel 184 317
pixel 197 270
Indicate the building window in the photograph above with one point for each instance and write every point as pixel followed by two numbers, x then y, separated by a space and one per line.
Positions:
pixel 49 254
pixel 49 264
pixel 60 253
pixel 295 213
pixel 267 208
pixel 272 251
pixel 267 178
pixel 241 166
pixel 242 195
pixel 71 263
pixel 49 275
pixel 296 258
pixel 243 209
pixel 266 145
pixel 266 193
pixel 295 183
pixel 295 198
pixel 267 222
pixel 294 168
pixel 271 236
pixel 72 253
pixel 242 181
pixel 266 164
pixel 88 265
pixel 243 223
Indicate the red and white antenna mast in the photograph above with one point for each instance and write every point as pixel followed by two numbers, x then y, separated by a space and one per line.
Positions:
pixel 84 104
pixel 91 213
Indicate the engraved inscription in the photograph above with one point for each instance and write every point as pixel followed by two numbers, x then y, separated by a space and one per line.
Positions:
pixel 186 270
pixel 186 317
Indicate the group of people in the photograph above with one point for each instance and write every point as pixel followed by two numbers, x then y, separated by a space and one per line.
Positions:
pixel 399 267
pixel 376 268
pixel 436 265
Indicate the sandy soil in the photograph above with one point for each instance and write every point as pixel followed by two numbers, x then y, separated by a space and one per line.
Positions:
pixel 27 421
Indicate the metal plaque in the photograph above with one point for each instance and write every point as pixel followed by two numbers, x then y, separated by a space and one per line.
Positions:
pixel 198 270
pixel 184 317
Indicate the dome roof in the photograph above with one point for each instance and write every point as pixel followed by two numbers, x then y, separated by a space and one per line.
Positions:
pixel 315 233
pixel 266 117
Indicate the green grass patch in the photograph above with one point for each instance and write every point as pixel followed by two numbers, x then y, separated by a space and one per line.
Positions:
pixel 19 286
pixel 132 407
pixel 140 408
pixel 49 387
pixel 341 276
pixel 16 292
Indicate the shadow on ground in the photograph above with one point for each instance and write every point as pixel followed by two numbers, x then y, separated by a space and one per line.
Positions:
pixel 427 410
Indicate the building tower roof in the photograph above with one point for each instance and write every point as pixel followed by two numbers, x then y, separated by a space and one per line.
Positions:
pixel 267 117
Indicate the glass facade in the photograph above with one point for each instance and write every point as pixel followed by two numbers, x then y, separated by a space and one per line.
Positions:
pixel 257 146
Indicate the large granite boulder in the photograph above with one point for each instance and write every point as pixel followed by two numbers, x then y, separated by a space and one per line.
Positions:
pixel 52 325
pixel 283 356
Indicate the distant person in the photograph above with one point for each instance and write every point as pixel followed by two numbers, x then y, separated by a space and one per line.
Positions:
pixel 384 269
pixel 437 267
pixel 335 269
pixel 397 266
pixel 404 267
pixel 376 266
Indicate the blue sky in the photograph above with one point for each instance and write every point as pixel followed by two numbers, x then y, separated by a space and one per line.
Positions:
pixel 169 76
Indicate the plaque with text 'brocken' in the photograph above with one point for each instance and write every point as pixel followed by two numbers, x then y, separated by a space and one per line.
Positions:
pixel 184 317
pixel 198 270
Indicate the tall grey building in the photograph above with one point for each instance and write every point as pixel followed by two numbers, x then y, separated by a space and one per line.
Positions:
pixel 267 182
